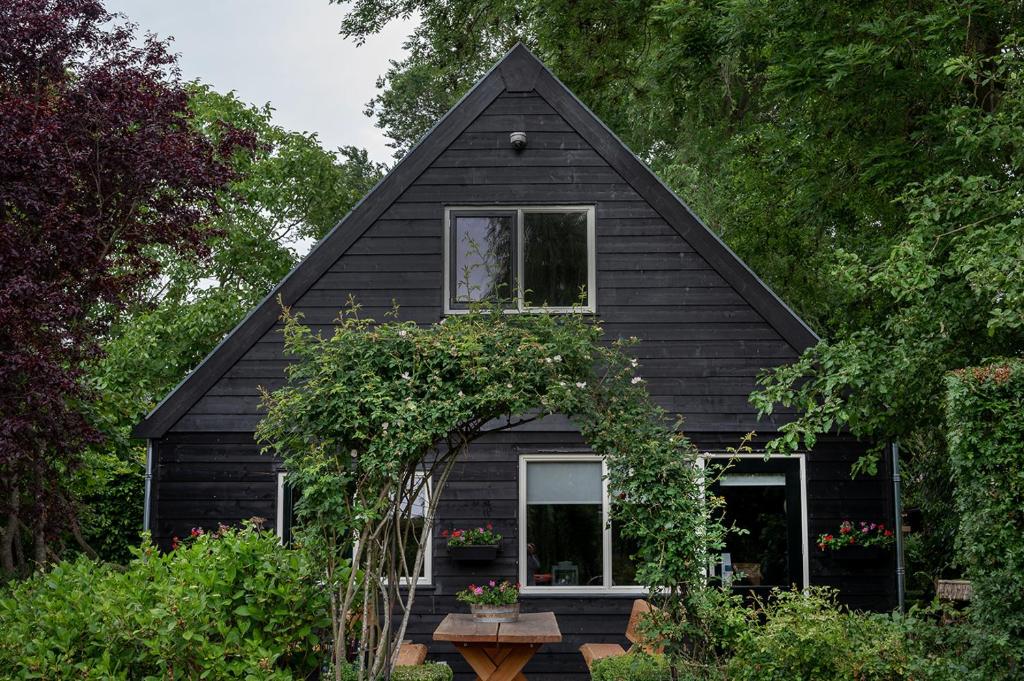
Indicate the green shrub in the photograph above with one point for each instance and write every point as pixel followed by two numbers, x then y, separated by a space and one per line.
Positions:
pixel 233 604
pixel 633 666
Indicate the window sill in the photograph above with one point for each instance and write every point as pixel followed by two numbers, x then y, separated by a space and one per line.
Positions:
pixel 589 310
pixel 581 592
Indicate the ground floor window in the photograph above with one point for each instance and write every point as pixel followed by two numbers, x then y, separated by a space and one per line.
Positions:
pixel 765 499
pixel 565 539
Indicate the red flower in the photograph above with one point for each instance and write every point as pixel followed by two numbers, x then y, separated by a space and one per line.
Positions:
pixel 888 533
pixel 490 526
pixel 444 533
pixel 853 540
pixel 456 534
pixel 175 543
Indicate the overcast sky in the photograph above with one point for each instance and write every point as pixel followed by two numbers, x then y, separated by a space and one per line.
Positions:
pixel 286 52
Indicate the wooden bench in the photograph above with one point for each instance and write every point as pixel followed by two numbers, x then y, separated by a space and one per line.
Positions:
pixel 599 651
pixel 411 654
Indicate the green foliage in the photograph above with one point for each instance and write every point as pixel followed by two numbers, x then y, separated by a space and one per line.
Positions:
pixel 372 410
pixel 985 414
pixel 808 636
pixel 633 666
pixel 288 191
pixel 428 671
pixel 865 159
pixel 230 604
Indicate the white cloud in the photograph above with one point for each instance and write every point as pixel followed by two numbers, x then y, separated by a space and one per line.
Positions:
pixel 288 53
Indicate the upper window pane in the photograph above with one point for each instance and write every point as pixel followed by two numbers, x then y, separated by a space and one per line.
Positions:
pixel 562 482
pixel 482 262
pixel 554 258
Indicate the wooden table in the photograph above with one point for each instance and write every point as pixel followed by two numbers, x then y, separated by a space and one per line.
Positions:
pixel 498 652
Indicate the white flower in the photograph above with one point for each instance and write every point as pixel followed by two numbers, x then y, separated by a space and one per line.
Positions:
pixel 581 384
pixel 561 383
pixel 384 426
pixel 403 333
pixel 406 376
pixel 557 358
pixel 460 394
pixel 636 379
pixel 633 363
pixel 548 360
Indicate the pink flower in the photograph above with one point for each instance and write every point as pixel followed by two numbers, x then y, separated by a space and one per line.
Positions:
pixel 491 582
pixel 478 591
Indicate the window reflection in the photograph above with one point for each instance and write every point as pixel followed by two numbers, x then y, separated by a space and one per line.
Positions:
pixel 483 257
pixel 554 258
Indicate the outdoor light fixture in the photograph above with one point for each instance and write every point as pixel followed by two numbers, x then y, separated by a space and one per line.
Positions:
pixel 518 140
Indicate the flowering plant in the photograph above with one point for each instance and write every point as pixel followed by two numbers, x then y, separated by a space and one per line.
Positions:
pixel 493 593
pixel 869 534
pixel 479 536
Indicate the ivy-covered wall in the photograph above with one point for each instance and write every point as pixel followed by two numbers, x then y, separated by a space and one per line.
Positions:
pixel 985 417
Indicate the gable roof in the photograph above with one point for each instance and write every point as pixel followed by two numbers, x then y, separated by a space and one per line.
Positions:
pixel 518 71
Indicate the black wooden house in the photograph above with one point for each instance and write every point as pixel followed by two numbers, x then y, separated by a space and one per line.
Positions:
pixel 520 156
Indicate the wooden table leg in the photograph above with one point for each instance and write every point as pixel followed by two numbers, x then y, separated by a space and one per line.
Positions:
pixel 512 665
pixel 498 664
pixel 479 660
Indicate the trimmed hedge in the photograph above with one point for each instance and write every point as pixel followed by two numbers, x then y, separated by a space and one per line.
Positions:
pixel 985 434
pixel 428 671
pixel 633 666
pixel 985 418
pixel 235 604
pixel 431 671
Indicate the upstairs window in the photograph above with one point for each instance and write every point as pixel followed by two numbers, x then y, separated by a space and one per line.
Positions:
pixel 524 258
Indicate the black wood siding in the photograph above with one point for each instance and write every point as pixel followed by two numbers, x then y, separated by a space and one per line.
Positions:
pixel 702 346
pixel 203 479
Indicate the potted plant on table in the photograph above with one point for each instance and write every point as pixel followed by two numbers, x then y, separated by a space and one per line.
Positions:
pixel 492 602
pixel 480 543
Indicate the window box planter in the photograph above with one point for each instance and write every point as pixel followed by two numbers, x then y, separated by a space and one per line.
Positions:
pixel 863 553
pixel 474 552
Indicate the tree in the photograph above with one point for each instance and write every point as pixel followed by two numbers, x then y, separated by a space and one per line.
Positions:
pixel 864 158
pixel 287 191
pixel 100 170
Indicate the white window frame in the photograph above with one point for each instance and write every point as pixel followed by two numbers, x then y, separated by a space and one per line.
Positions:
pixel 279 530
pixel 606 538
pixel 519 210
pixel 804 525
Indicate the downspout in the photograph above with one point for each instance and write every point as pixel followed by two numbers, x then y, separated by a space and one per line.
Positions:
pixel 901 569
pixel 149 484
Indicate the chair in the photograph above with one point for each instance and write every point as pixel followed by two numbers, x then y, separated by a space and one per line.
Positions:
pixel 411 654
pixel 598 651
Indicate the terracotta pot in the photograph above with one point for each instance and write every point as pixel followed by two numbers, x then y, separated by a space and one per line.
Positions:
pixel 494 613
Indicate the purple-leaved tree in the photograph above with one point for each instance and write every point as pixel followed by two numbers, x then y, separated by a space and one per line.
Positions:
pixel 100 172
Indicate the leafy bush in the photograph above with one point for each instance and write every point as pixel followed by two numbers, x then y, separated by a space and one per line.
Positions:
pixel 230 604
pixel 808 637
pixel 633 666
pixel 985 419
